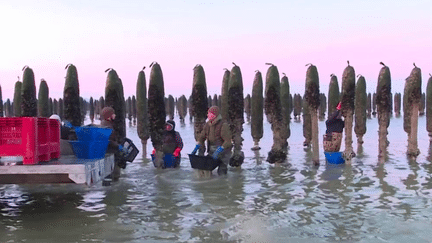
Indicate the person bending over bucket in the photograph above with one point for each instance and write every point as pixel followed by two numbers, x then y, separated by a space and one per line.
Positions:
pixel 172 142
pixel 107 120
pixel 333 136
pixel 218 136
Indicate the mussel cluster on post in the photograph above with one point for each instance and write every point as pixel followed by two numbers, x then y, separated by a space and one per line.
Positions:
pixel 199 99
pixel 43 100
pixel 333 94
pixel 142 111
pixel 347 108
pixel 156 111
pixel 16 104
pixel 257 105
pixel 285 106
pixel 312 98
pixel 28 94
pixel 383 104
pixel 71 98
pixel 429 108
pixel 273 111
pixel 235 114
pixel 412 98
pixel 360 111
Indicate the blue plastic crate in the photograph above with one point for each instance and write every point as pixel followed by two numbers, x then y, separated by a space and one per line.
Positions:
pixel 87 133
pixel 334 157
pixel 89 149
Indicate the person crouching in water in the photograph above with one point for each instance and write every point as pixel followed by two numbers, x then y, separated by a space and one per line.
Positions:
pixel 219 139
pixel 335 125
pixel 172 143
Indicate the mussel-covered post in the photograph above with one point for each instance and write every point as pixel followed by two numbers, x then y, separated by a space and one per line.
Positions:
pixel 129 109
pixel 61 108
pixel 297 106
pixel 347 100
pixel 422 104
pixel 273 111
pixel 360 111
pixel 312 98
pixel 190 108
pixel 114 97
pixel 429 108
pixel 285 95
pixel 412 94
pixel 307 124
pixel 322 107
pixel 28 94
pixel 92 110
pixel 199 100
pixel 333 94
pixel 17 99
pixel 156 111
pixel 235 114
pixel 397 104
pixel 142 111
pixel 55 106
pixel 71 97
pixel 7 108
pixel 369 105
pixel 224 95
pixel 134 109
pixel 247 107
pixel 43 97
pixel 257 112
pixel 383 105
pixel 50 106
pixel 171 107
pixel 215 100
pixel 182 108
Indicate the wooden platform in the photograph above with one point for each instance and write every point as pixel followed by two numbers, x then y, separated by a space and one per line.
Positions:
pixel 67 169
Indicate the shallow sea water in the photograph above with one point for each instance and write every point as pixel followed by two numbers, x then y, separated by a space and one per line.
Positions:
pixel 364 201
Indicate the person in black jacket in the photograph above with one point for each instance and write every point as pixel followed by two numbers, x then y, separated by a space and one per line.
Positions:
pixel 333 136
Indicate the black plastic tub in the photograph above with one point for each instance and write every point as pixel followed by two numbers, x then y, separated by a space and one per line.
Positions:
pixel 203 162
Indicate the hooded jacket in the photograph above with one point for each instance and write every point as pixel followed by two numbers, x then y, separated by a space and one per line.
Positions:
pixel 217 132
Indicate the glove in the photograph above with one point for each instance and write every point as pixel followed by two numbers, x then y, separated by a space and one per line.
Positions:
pixel 154 151
pixel 217 152
pixel 121 148
pixel 68 124
pixel 176 152
pixel 196 149
pixel 339 106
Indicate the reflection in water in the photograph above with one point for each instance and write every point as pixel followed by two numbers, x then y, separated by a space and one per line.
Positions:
pixel 364 201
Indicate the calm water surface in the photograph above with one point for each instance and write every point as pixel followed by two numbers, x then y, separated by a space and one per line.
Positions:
pixel 292 202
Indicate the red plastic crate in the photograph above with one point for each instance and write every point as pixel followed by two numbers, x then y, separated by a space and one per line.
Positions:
pixel 36 139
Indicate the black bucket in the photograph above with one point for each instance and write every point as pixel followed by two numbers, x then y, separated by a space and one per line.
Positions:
pixel 203 162
pixel 131 150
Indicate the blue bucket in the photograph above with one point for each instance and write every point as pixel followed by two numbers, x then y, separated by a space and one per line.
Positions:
pixel 89 133
pixel 169 160
pixel 334 157
pixel 89 149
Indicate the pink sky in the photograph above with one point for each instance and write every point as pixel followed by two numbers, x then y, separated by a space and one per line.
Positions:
pixel 96 35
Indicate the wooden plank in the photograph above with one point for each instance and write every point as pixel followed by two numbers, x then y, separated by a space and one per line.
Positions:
pixel 67 169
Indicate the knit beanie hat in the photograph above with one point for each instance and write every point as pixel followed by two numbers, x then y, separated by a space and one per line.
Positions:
pixel 170 125
pixel 213 112
pixel 107 112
